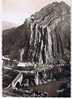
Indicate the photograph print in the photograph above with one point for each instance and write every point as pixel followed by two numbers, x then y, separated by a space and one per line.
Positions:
pixel 36 48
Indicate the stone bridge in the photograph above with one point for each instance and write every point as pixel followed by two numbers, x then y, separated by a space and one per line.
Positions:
pixel 38 76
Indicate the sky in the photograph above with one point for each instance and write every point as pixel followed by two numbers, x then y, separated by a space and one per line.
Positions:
pixel 15 11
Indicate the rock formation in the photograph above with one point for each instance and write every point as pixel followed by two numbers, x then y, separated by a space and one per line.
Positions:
pixel 44 36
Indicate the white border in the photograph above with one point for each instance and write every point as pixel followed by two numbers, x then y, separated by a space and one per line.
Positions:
pixel 1 57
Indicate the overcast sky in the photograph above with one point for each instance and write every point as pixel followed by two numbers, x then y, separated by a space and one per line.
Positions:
pixel 16 11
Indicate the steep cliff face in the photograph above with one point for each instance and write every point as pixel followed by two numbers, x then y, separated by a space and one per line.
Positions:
pixel 45 36
pixel 50 34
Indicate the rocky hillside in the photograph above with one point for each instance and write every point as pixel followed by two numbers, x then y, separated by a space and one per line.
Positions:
pixel 43 38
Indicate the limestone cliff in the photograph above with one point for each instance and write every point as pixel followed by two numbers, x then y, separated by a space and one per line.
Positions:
pixel 45 36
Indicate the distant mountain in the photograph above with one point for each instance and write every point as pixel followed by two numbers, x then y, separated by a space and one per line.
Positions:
pixel 44 37
pixel 7 25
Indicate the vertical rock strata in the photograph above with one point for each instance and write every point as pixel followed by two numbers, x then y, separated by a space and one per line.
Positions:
pixel 44 36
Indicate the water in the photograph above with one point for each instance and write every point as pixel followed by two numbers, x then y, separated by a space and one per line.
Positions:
pixel 21 54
